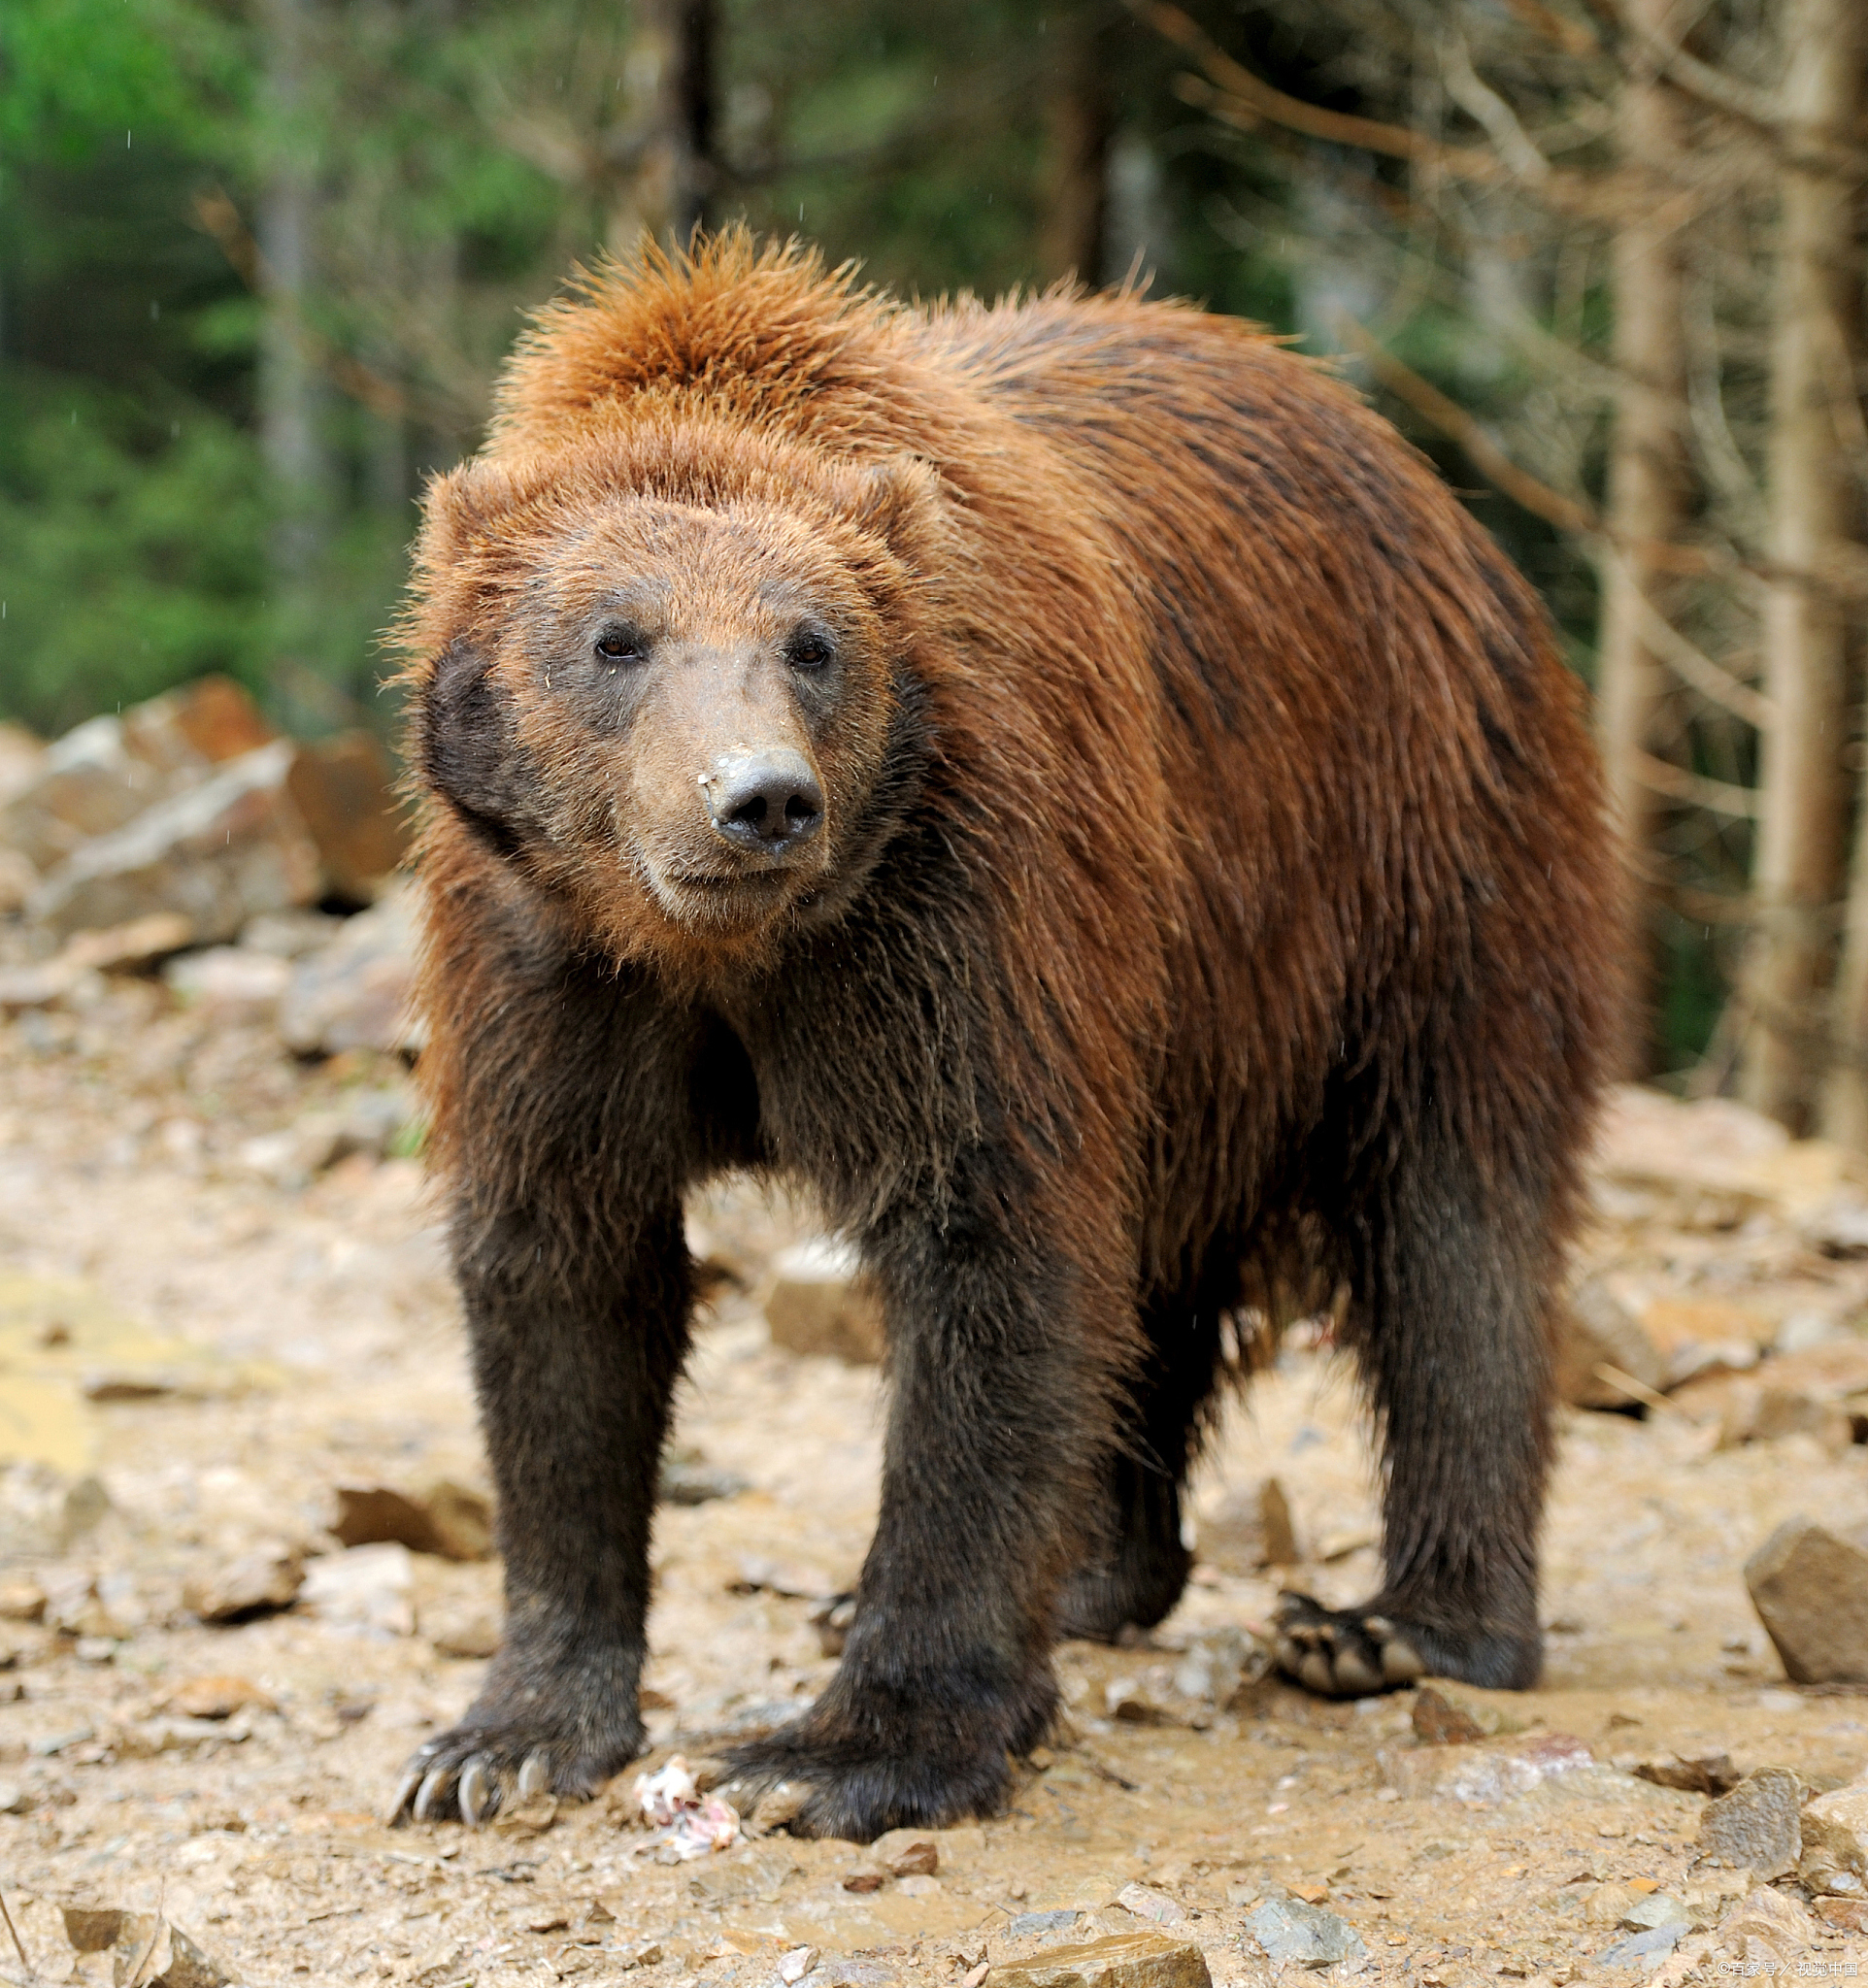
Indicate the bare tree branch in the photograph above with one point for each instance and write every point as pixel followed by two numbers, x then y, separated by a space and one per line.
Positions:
pixel 1258 99
pixel 1574 37
pixel 1452 420
pixel 1832 152
pixel 1236 96
pixel 1691 666
pixel 1842 573
pixel 1484 106
pixel 221 218
pixel 1720 796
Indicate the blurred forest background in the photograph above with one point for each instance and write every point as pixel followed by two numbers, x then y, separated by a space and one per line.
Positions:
pixel 1602 259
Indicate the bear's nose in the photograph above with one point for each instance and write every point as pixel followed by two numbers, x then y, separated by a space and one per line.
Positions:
pixel 765 800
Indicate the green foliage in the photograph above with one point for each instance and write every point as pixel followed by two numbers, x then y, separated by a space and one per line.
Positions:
pixel 910 141
pixel 78 74
pixel 131 554
pixel 131 547
pixel 1695 984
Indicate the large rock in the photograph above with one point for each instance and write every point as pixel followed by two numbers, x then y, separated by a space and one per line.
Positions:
pixel 1835 1842
pixel 1700 1334
pixel 21 756
pixel 117 949
pixel 75 968
pixel 368 1590
pixel 1642 1949
pixel 371 1122
pixel 1123 1960
pixel 345 788
pixel 1246 1528
pixel 218 853
pixel 355 993
pixel 229 983
pixel 203 723
pixel 1473 1776
pixel 89 784
pixel 18 879
pixel 819 1302
pixel 1290 1929
pixel 257 1583
pixel 290 934
pixel 1701 1773
pixel 148 1949
pixel 135 783
pixel 1438 1722
pixel 1810 1588
pixel 1216 1664
pixel 449 1519
pixel 1768 1932
pixel 1766 1413
pixel 1277 1528
pixel 1600 1334
pixel 101 775
pixel 1755 1826
pixel 1820 1389
pixel 1712 1162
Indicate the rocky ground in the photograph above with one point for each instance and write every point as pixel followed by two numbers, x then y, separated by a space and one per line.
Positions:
pixel 244 1526
pixel 205 1336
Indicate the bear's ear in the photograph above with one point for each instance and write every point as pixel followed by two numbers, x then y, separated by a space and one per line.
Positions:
pixel 899 501
pixel 466 748
pixel 458 508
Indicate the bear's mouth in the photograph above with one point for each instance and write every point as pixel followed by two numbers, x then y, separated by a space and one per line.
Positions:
pixel 725 898
pixel 753 883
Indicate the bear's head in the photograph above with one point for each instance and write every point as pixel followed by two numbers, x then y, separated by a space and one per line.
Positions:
pixel 667 674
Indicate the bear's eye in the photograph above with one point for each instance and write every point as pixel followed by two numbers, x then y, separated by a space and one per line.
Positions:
pixel 807 651
pixel 619 645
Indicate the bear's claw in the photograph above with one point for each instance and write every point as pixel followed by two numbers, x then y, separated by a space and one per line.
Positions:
pixel 472 1772
pixel 1352 1652
pixel 1343 1652
pixel 859 1797
pixel 867 1761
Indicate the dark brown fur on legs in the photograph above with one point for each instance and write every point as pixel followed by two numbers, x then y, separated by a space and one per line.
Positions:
pixel 1064 782
pixel 578 1312
pixel 1139 1563
pixel 1448 1328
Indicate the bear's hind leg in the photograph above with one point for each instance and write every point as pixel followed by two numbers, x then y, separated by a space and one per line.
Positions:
pixel 1448 1318
pixel 1138 1570
pixel 1137 1575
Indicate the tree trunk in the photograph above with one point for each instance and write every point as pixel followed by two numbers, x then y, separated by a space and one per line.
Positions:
pixel 671 62
pixel 1817 511
pixel 1647 480
pixel 1798 876
pixel 1078 126
pixel 290 391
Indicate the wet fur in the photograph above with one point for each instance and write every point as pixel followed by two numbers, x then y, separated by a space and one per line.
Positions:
pixel 1218 906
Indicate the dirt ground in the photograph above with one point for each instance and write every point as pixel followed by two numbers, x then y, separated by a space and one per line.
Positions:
pixel 304 1336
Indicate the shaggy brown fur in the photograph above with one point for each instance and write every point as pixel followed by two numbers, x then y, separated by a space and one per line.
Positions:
pixel 1200 890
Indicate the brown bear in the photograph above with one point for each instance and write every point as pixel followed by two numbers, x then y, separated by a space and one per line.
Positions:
pixel 1065 781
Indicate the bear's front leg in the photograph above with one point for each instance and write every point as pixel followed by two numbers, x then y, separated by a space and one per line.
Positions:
pixel 578 1338
pixel 997 1406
